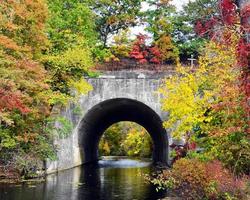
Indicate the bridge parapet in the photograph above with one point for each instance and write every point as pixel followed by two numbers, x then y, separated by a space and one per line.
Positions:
pixel 134 74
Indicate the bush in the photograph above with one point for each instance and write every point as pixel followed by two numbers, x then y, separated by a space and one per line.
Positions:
pixel 194 179
pixel 234 152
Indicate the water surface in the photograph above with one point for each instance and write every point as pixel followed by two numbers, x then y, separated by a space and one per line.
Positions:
pixel 112 178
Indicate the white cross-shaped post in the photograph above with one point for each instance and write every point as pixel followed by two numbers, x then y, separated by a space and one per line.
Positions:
pixel 192 59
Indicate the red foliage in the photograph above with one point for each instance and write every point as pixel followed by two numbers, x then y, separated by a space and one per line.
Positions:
pixel 155 51
pixel 206 27
pixel 224 179
pixel 143 61
pixel 143 53
pixel 139 48
pixel 228 12
pixel 181 150
pixel 10 100
pixel 200 28
pixel 245 13
pixel 211 23
pixel 229 17
pixel 156 55
pixel 243 50
pixel 195 179
pixel 155 60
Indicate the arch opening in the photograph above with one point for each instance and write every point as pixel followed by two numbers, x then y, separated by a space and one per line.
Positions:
pixel 109 112
pixel 127 139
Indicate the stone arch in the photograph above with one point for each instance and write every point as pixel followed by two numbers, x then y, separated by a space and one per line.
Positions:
pixel 109 112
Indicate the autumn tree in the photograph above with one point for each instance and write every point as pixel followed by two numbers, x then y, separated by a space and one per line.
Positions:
pixel 121 44
pixel 126 139
pixel 28 89
pixel 113 16
pixel 72 36
pixel 210 109
pixel 169 52
pixel 158 18
pixel 24 91
pixel 144 53
pixel 138 142
pixel 159 24
pixel 188 95
pixel 184 23
pixel 67 21
pixel 200 9
pixel 216 111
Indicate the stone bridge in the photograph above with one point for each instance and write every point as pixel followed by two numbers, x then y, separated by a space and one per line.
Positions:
pixel 116 96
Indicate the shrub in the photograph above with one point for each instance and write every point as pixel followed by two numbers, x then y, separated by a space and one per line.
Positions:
pixel 221 182
pixel 194 179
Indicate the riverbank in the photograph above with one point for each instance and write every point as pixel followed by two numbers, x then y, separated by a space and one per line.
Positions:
pixel 9 175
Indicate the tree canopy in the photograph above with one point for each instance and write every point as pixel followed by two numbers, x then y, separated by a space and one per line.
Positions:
pixel 113 16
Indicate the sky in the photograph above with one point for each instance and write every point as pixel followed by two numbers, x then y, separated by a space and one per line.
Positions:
pixel 179 3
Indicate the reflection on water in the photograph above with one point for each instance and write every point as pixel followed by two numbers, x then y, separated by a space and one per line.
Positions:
pixel 120 179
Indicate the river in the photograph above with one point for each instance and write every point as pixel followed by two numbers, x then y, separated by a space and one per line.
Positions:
pixel 112 178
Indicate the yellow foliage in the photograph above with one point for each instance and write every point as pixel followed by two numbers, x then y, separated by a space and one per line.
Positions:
pixel 5 117
pixel 77 58
pixel 167 48
pixel 137 142
pixel 121 45
pixel 111 58
pixel 82 86
pixel 106 148
pixel 126 139
pixel 189 93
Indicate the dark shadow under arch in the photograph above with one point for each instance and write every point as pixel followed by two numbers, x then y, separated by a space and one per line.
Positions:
pixel 109 112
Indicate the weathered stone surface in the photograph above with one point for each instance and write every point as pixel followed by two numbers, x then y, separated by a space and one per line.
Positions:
pixel 138 85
